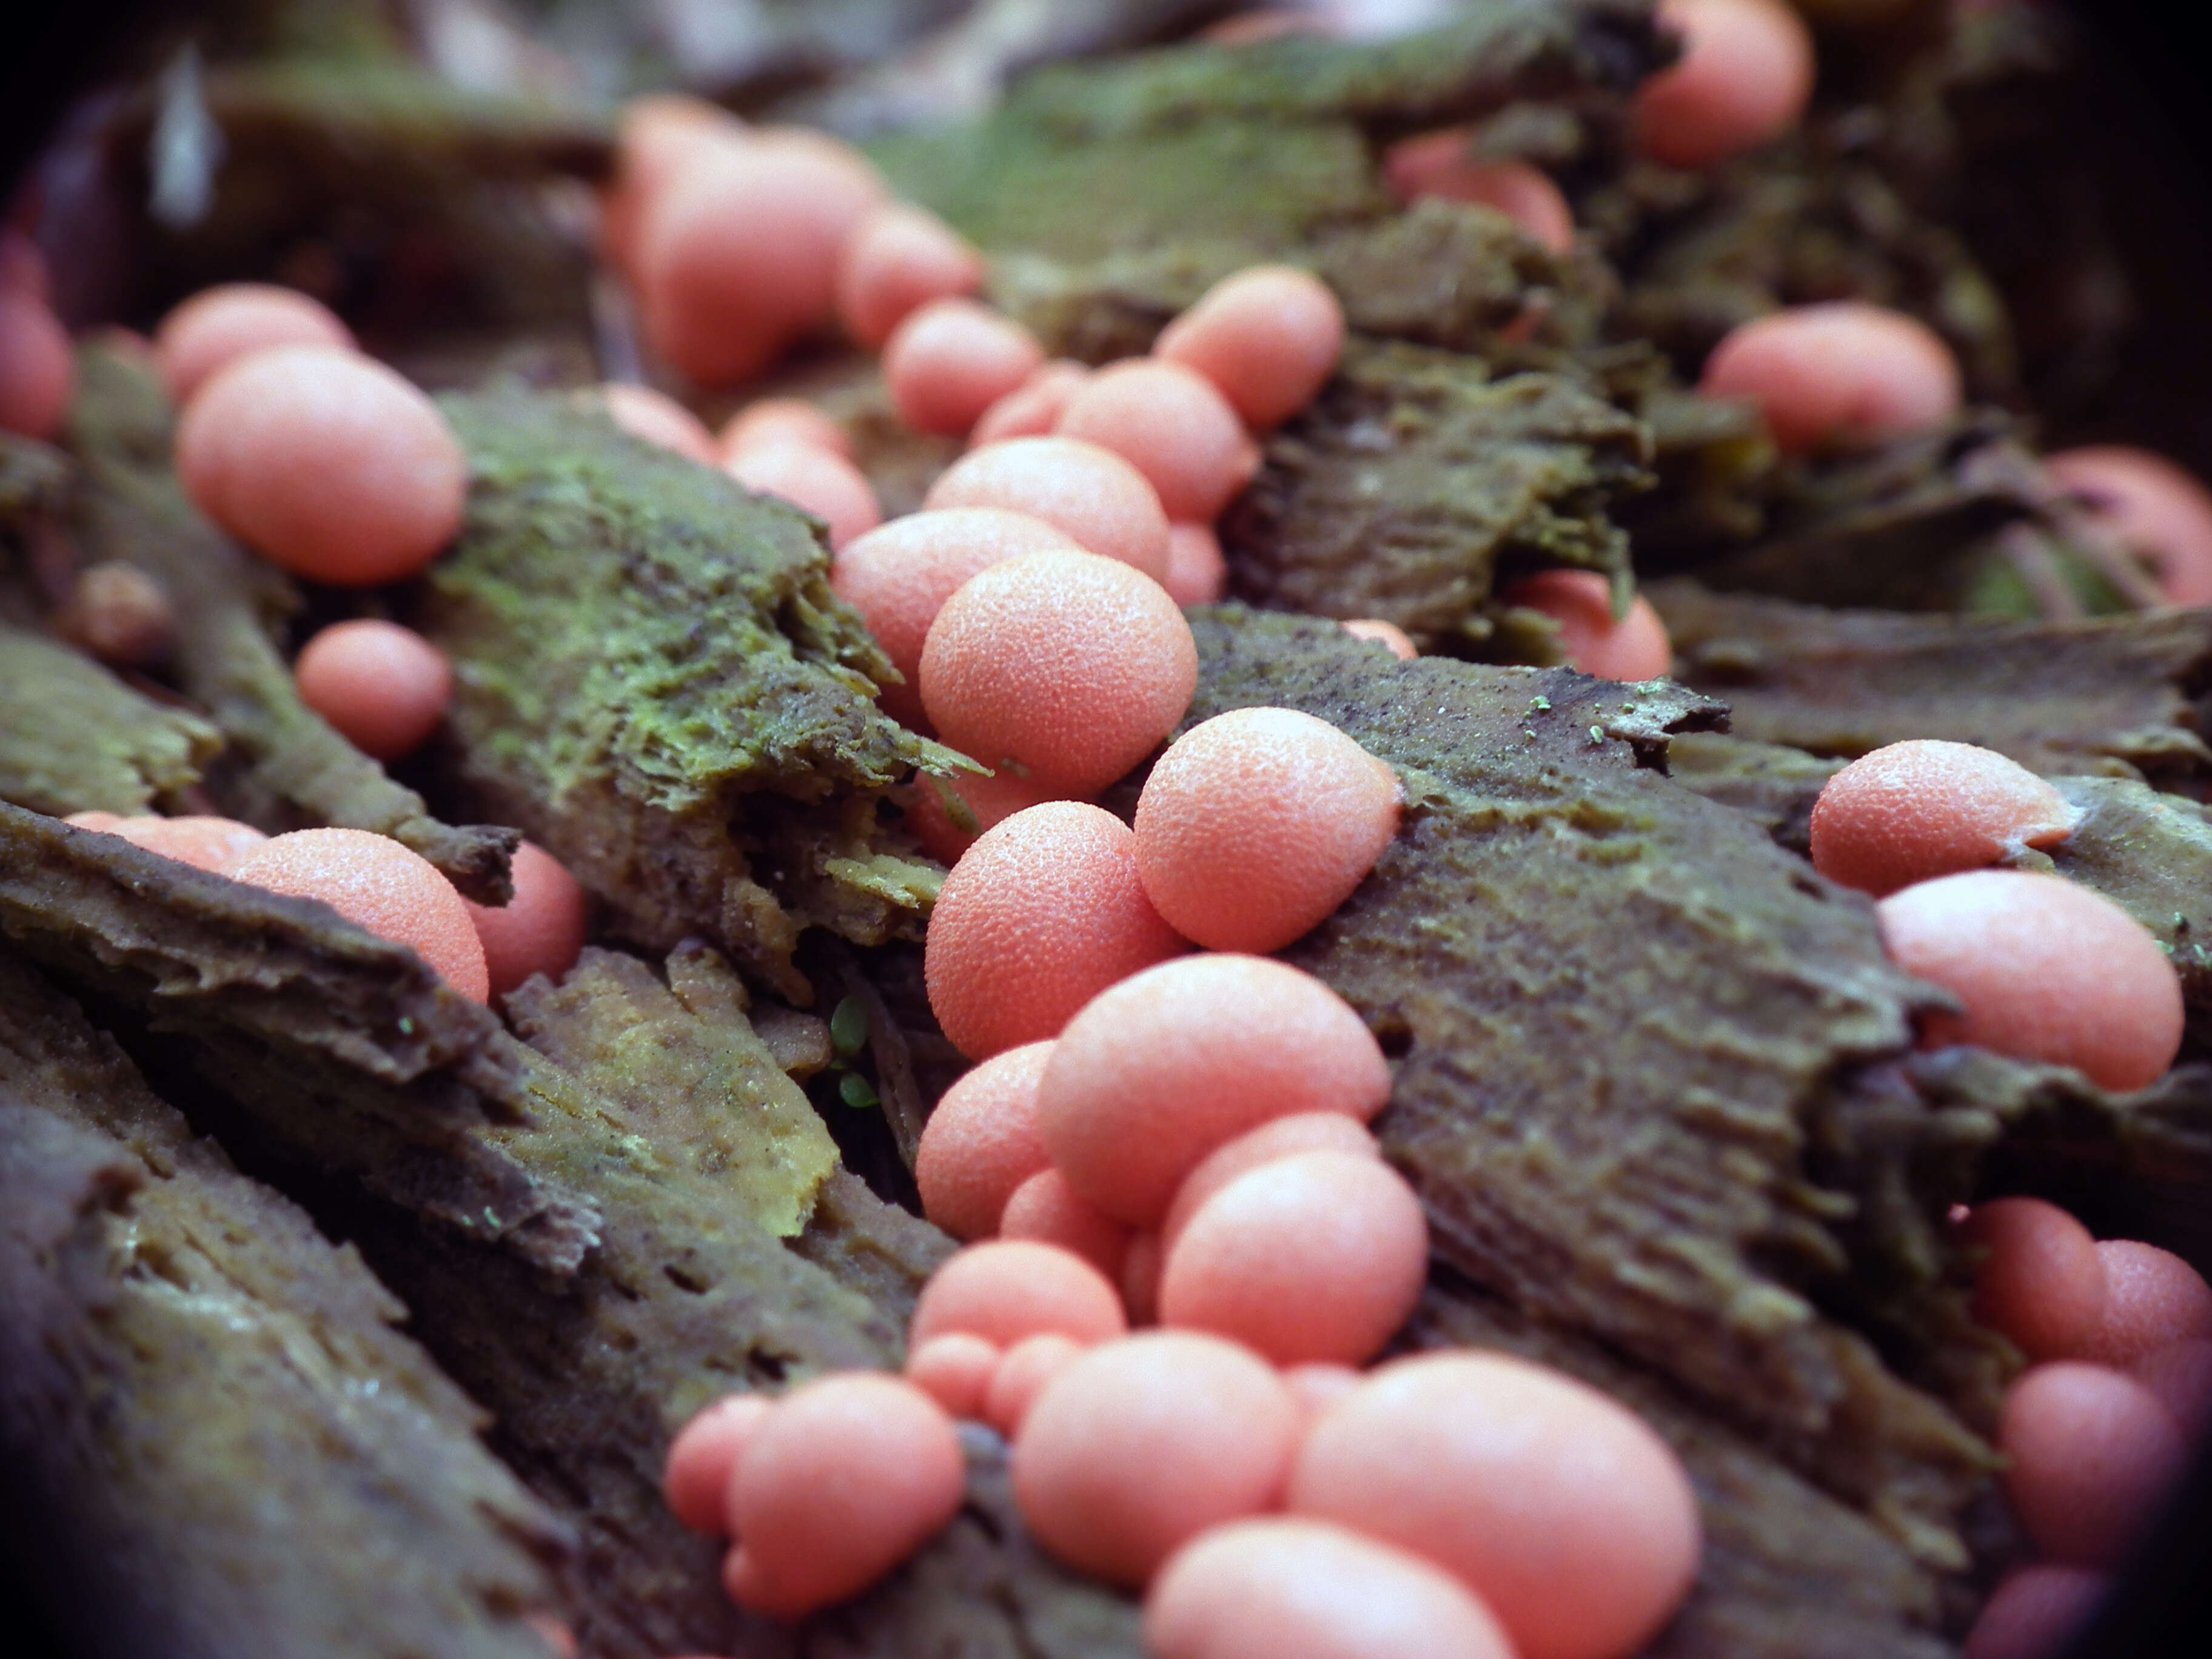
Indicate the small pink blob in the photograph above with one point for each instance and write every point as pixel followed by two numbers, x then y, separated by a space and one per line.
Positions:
pixel 1096 497
pixel 1633 649
pixel 985 803
pixel 2152 1298
pixel 1257 824
pixel 845 1478
pixel 541 930
pixel 659 136
pixel 2179 1377
pixel 101 824
pixel 956 1370
pixel 1171 424
pixel 1844 372
pixel 1913 811
pixel 380 887
pixel 1029 1367
pixel 1745 77
pixel 1269 336
pixel 1558 1506
pixel 2036 1610
pixel 704 1454
pixel 656 418
pixel 1142 1443
pixel 1045 1207
pixel 982 1143
pixel 218 846
pixel 383 687
pixel 2151 506
pixel 2047 970
pixel 1040 915
pixel 951 360
pixel 1197 572
pixel 1286 1588
pixel 218 325
pixel 2094 1453
pixel 898 260
pixel 817 480
pixel 1164 1067
pixel 2041 1281
pixel 1391 638
pixel 1032 409
pixel 1008 1288
pixel 781 421
pixel 38 370
pixel 1438 164
pixel 1278 1138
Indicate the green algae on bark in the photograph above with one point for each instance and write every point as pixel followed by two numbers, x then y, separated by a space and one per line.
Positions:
pixel 286 769
pixel 228 1446
pixel 2107 696
pixel 74 739
pixel 654 680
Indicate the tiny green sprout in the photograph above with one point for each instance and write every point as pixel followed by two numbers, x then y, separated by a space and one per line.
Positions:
pixel 490 1220
pixel 1542 705
pixel 857 1091
pixel 1597 734
pixel 407 1026
pixel 849 1027
pixel 1528 732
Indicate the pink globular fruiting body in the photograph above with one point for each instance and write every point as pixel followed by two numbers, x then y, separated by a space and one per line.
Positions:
pixel 658 134
pixel 1844 372
pixel 37 372
pixel 1046 1208
pixel 216 845
pixel 1008 1288
pixel 1438 164
pixel 1142 1443
pixel 1101 500
pixel 1197 572
pixel 1745 77
pixel 951 360
pixel 948 815
pixel 1040 915
pixel 1631 648
pixel 842 1480
pixel 1065 667
pixel 696 1478
pixel 2035 1612
pixel 1289 1588
pixel 982 1142
pixel 1279 1137
pixel 1174 426
pixel 656 418
pixel 385 688
pixel 1025 1372
pixel 1391 638
pixel 326 462
pixel 1911 812
pixel 1571 1519
pixel 2039 1279
pixel 541 929
pixel 218 325
pixel 2092 1453
pixel 1269 336
pixel 1032 409
pixel 2046 970
pixel 1159 1070
pixel 780 420
pixel 898 260
pixel 381 887
pixel 955 1369
pixel 1258 824
pixel 2156 509
pixel 2180 1378
pixel 814 480
pixel 2152 1299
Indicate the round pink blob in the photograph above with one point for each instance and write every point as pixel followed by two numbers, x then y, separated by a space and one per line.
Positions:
pixel 2093 1455
pixel 1560 1508
pixel 1633 649
pixel 1913 811
pixel 897 260
pixel 817 480
pixel 899 575
pixel 327 462
pixel 989 802
pixel 1391 638
pixel 2033 1612
pixel 659 134
pixel 1096 497
pixel 844 1480
pixel 1842 372
pixel 1142 1443
pixel 656 418
pixel 956 1370
pixel 1269 336
pixel 1032 409
pixel 541 930
pixel 218 325
pixel 38 373
pixel 1011 1288
pixel 1745 77
pixel 951 360
pixel 2179 1377
pixel 380 887
pixel 982 1143
pixel 704 1454
pixel 1029 1367
pixel 781 421
pixel 1164 1067
pixel 1319 1257
pixel 2152 1298
pixel 1280 1138
pixel 1291 1589
pixel 1438 164
pixel 218 846
pixel 1197 572
pixel 383 687
pixel 2041 1281
pixel 1042 913
pixel 1257 823
pixel 1171 424
pixel 2151 506
pixel 2046 971
pixel 1046 1208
